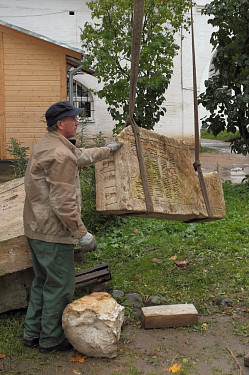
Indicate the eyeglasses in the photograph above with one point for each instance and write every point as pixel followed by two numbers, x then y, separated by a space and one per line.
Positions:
pixel 72 118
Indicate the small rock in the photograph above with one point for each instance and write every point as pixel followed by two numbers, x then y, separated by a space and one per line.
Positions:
pixel 117 294
pixel 226 301
pixel 135 299
pixel 156 300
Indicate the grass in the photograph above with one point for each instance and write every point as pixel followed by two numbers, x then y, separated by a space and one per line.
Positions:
pixel 217 253
pixel 222 136
pixel 139 252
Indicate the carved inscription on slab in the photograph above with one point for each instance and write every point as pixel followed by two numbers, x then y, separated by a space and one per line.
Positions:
pixel 174 185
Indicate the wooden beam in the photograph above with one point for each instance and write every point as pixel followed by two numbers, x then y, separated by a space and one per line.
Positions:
pixel 92 275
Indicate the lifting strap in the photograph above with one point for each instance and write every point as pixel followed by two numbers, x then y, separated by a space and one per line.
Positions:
pixel 135 53
pixel 197 164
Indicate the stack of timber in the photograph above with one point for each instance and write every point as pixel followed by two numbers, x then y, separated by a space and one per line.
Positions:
pixel 174 185
pixel 16 273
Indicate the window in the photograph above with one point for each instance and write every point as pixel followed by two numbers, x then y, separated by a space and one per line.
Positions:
pixel 82 98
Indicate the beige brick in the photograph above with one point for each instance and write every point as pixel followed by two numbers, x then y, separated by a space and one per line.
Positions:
pixel 169 316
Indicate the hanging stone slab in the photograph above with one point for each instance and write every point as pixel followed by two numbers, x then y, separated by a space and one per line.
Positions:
pixel 93 323
pixel 174 185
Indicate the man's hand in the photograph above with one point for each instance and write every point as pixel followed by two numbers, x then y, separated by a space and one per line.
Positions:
pixel 88 242
pixel 113 145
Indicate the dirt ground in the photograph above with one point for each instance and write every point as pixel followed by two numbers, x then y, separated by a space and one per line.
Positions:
pixel 210 348
pixel 213 347
pixel 230 166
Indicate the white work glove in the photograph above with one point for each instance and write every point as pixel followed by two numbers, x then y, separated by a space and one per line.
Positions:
pixel 88 242
pixel 113 145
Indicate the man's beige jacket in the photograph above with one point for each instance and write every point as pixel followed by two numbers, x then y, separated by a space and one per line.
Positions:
pixel 52 208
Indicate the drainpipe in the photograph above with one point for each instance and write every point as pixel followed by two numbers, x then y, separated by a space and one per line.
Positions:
pixel 70 83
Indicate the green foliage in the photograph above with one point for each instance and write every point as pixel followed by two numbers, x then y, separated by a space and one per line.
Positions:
pixel 107 42
pixel 20 157
pixel 227 90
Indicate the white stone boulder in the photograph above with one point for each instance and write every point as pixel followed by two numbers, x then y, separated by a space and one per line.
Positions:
pixel 93 323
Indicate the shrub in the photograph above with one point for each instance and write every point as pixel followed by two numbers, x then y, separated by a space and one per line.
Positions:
pixel 20 157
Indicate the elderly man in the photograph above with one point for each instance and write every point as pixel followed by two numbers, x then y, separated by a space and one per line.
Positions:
pixel 52 223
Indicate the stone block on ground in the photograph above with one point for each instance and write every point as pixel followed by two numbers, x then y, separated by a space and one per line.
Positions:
pixel 16 273
pixel 93 323
pixel 246 360
pixel 174 185
pixel 169 316
pixel 11 209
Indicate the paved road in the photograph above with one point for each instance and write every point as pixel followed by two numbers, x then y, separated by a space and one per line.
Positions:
pixel 216 144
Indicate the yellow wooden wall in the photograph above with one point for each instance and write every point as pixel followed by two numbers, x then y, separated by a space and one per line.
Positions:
pixel 32 77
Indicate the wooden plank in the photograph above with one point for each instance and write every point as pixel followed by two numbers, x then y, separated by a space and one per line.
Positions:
pixel 39 85
pixel 92 269
pixel 169 316
pixel 2 102
pixel 35 74
pixel 93 276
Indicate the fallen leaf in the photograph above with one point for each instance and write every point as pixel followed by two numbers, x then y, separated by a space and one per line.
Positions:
pixel 136 278
pixel 181 263
pixel 204 325
pixel 176 367
pixel 78 358
pixel 2 355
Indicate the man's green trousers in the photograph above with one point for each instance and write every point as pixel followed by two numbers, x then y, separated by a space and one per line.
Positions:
pixel 52 289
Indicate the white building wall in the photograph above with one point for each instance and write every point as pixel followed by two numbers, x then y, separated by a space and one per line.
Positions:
pixel 52 18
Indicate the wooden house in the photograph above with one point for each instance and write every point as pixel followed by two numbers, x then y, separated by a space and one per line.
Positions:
pixel 33 75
